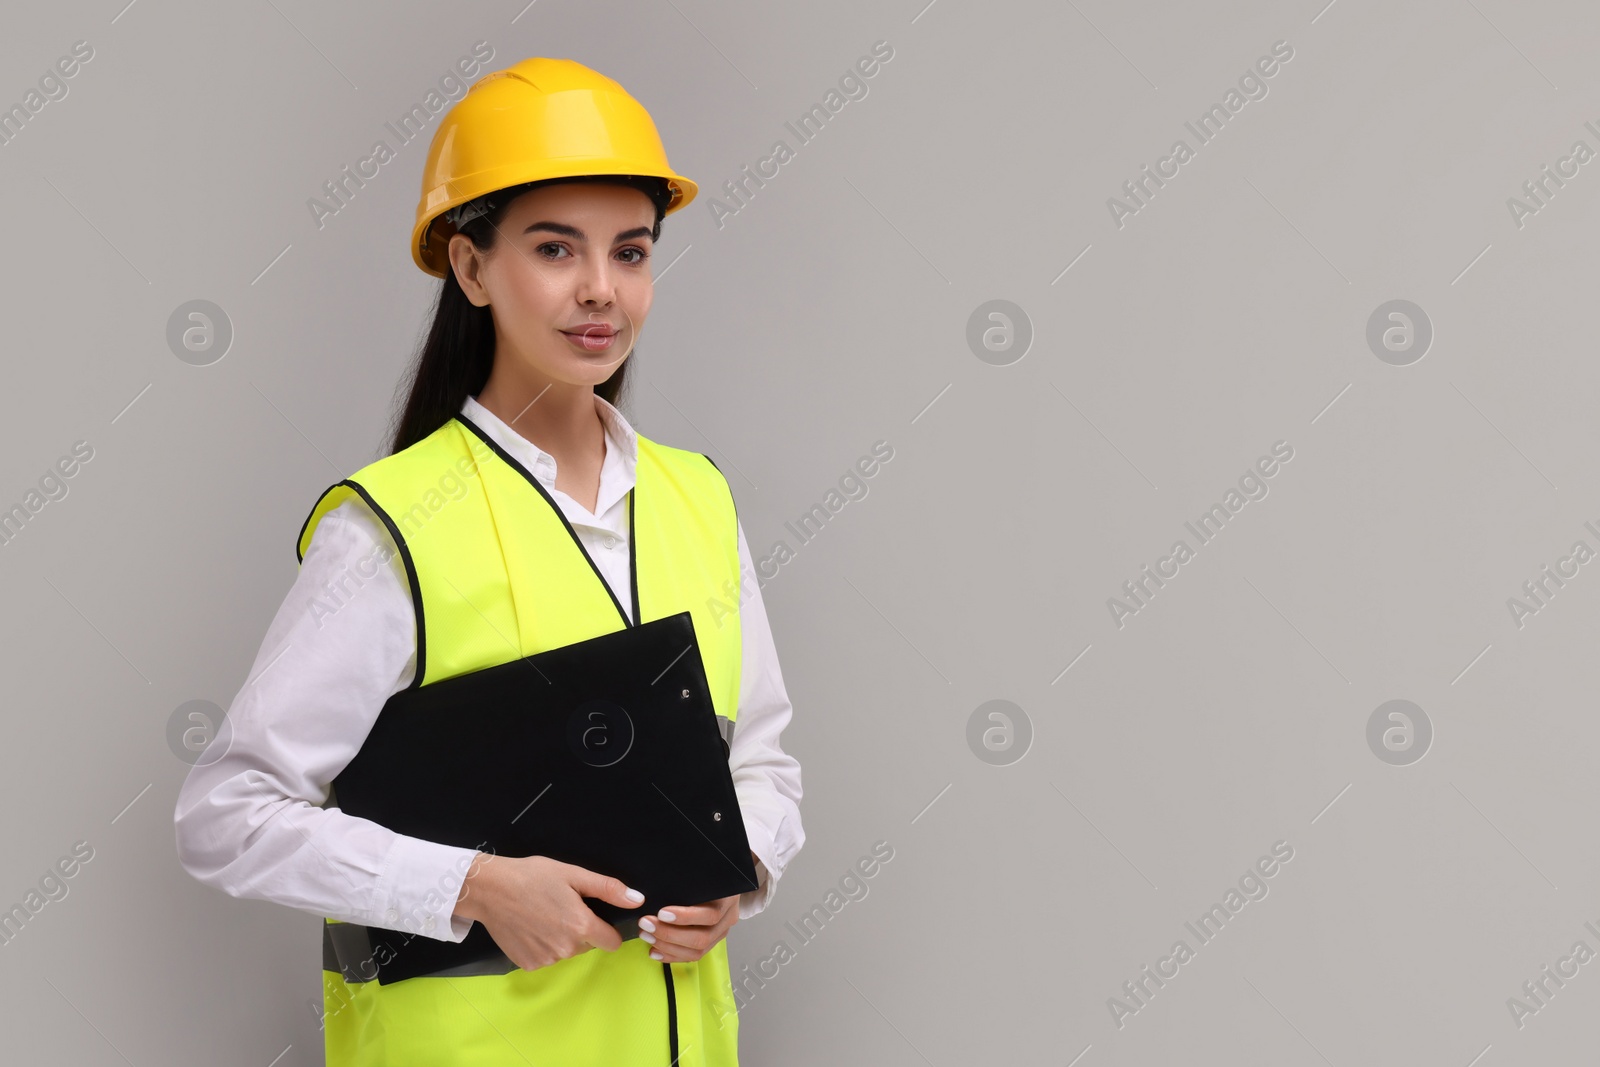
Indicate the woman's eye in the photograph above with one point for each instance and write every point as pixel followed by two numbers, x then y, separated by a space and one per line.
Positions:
pixel 639 252
pixel 543 249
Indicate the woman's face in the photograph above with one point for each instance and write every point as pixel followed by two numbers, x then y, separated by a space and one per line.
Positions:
pixel 567 280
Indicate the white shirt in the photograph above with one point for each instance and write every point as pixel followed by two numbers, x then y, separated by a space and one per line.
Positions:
pixel 251 821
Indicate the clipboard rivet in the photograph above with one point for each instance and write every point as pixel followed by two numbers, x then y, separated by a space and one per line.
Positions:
pixel 685 694
pixel 716 816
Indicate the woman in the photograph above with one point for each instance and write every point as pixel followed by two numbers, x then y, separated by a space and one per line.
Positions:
pixel 518 512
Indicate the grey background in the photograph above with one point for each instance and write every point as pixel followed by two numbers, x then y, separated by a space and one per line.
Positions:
pixel 829 313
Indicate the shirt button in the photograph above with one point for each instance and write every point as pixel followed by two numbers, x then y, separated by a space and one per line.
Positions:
pixel 428 924
pixel 393 915
pixel 609 541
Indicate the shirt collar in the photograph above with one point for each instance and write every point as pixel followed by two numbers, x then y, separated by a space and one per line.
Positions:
pixel 622 452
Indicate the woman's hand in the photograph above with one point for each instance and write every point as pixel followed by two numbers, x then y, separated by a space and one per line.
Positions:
pixel 683 935
pixel 691 932
pixel 533 907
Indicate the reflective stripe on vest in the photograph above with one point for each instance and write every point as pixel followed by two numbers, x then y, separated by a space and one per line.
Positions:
pixel 496 573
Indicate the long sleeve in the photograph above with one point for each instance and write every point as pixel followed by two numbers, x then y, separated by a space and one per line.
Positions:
pixel 766 779
pixel 251 822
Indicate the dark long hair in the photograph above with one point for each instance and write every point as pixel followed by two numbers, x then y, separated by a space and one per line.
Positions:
pixel 458 353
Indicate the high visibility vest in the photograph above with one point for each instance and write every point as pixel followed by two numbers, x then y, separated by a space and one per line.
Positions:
pixel 496 573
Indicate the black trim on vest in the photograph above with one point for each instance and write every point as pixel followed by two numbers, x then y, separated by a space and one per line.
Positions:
pixel 633 557
pixel 520 469
pixel 301 536
pixel 405 555
pixel 411 575
pixel 672 1014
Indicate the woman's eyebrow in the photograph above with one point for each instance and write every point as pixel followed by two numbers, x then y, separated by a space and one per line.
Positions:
pixel 578 235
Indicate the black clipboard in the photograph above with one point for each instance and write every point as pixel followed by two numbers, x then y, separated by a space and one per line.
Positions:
pixel 605 753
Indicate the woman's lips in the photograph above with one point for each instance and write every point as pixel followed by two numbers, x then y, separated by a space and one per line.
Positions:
pixel 593 339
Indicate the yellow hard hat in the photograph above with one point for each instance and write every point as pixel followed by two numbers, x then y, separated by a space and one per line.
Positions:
pixel 541 118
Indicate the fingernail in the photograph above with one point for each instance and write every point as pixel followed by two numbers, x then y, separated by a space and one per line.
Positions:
pixel 657 956
pixel 646 924
pixel 667 916
pixel 634 895
pixel 647 939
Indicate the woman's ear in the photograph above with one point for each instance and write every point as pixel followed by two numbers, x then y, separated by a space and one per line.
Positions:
pixel 466 262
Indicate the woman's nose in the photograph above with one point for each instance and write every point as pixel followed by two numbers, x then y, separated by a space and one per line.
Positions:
pixel 596 286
